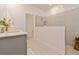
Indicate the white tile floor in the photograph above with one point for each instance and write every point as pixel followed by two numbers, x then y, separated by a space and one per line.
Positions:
pixel 36 48
pixel 30 52
pixel 71 51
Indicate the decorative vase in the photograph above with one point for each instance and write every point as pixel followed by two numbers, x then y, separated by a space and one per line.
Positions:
pixel 6 28
pixel 76 46
pixel 2 29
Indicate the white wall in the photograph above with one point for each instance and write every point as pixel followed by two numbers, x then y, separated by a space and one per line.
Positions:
pixel 70 19
pixel 2 10
pixel 17 13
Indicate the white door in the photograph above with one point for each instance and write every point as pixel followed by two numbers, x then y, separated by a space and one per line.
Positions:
pixel 30 25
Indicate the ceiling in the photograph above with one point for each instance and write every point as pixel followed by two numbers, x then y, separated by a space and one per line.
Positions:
pixel 44 7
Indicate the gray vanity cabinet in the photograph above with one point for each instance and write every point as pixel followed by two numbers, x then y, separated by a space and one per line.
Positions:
pixel 14 45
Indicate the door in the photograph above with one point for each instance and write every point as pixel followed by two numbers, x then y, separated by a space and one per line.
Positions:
pixel 30 25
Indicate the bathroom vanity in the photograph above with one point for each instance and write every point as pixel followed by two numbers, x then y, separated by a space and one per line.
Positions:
pixel 13 43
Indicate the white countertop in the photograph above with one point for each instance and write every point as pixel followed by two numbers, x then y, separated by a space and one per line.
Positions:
pixel 13 31
pixel 9 34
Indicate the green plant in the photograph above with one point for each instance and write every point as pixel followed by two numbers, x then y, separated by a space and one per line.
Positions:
pixel 6 22
pixel 2 22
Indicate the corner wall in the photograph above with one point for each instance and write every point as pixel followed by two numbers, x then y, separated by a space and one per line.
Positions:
pixel 17 12
pixel 71 21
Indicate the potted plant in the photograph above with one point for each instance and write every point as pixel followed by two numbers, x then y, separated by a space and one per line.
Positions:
pixel 6 23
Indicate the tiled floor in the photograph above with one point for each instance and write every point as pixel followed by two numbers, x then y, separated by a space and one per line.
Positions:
pixel 36 47
pixel 71 51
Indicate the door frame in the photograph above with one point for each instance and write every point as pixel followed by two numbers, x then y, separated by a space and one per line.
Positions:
pixel 26 24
